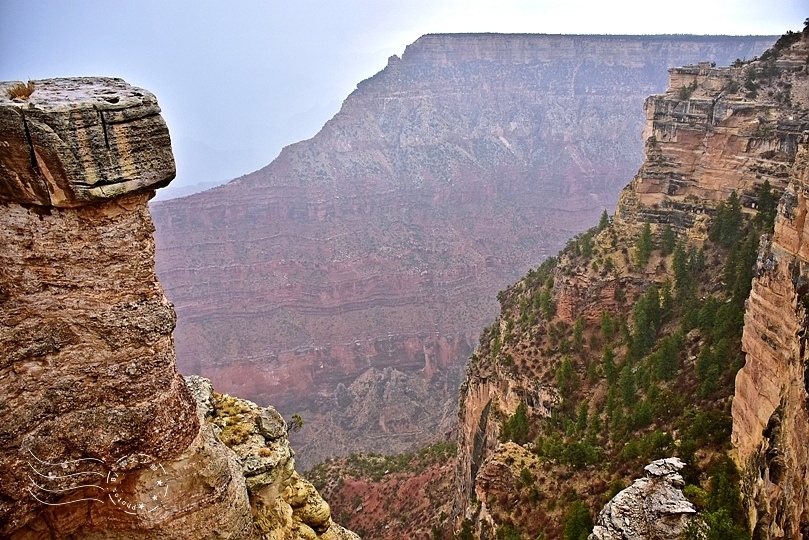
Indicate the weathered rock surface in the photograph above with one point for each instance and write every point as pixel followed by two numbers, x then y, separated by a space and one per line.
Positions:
pixel 381 242
pixel 284 505
pixel 652 508
pixel 78 140
pixel 100 437
pixel 770 419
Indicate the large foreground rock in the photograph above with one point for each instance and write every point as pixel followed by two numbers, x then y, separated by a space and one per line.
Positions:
pixel 100 436
pixel 74 141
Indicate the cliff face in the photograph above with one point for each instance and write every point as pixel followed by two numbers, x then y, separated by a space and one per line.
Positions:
pixel 770 420
pixel 99 435
pixel 374 250
pixel 601 384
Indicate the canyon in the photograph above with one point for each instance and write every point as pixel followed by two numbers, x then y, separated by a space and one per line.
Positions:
pixel 675 328
pixel 348 280
pixel 591 381
pixel 100 436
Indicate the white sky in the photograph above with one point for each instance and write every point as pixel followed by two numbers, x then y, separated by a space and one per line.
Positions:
pixel 239 79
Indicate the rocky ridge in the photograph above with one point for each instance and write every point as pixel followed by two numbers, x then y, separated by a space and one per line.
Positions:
pixel 360 266
pixel 569 368
pixel 100 436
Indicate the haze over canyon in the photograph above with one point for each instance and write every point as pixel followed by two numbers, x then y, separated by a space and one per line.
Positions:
pixel 348 280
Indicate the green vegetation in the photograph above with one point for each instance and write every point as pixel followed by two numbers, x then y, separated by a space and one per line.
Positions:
pixel 508 531
pixel 726 228
pixel 720 507
pixel 578 523
pixel 750 83
pixel 375 466
pixel 685 92
pixel 644 245
pixel 659 362
pixel 604 222
pixel 295 423
pixel 516 427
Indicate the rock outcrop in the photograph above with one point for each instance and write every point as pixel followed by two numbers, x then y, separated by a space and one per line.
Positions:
pixel 64 155
pixel 100 436
pixel 380 243
pixel 652 508
pixel 770 419
pixel 284 505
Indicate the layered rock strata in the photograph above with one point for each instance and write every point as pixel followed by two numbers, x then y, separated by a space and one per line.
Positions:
pixel 770 419
pixel 652 508
pixel 99 434
pixel 375 249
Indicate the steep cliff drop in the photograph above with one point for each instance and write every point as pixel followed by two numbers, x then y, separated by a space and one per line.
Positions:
pixel 350 278
pixel 770 419
pixel 100 437
pixel 575 337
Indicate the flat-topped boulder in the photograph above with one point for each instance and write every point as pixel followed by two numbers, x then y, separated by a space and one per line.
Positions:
pixel 75 141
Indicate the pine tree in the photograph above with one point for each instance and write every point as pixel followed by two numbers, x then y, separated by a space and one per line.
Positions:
pixel 578 522
pixel 667 240
pixel 726 228
pixel 567 380
pixel 604 222
pixel 608 363
pixel 767 208
pixel 644 245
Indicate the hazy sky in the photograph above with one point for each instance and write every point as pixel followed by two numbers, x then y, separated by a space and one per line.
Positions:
pixel 239 79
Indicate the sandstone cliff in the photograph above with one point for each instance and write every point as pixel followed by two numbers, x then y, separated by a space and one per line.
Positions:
pixel 100 436
pixel 360 266
pixel 625 346
pixel 770 419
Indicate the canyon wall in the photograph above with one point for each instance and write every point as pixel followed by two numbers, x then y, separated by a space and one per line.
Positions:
pixel 100 437
pixel 715 131
pixel 349 279
pixel 770 419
